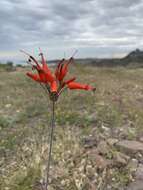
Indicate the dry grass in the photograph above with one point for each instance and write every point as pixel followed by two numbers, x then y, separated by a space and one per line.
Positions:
pixel 25 116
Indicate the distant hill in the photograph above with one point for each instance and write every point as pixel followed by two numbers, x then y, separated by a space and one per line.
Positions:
pixel 134 56
pixel 133 59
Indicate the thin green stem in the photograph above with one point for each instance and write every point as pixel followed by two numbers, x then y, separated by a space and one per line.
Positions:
pixel 50 145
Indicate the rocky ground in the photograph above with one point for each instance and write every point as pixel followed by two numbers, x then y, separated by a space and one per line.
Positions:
pixel 120 159
pixel 98 141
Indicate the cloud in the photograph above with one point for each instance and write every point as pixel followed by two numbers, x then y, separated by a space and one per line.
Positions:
pixel 95 27
pixel 123 3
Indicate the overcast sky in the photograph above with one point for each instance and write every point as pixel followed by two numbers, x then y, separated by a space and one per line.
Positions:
pixel 97 28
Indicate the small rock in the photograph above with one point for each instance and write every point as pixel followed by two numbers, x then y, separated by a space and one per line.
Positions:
pixel 132 165
pixel 139 172
pixel 103 148
pixel 121 159
pixel 92 154
pixel 112 141
pixel 101 162
pixel 139 157
pixel 89 142
pixel 106 130
pixel 130 147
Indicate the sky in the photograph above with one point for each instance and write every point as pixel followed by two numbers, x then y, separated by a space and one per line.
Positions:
pixel 96 28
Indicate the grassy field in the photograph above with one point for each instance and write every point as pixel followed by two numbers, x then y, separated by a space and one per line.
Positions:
pixel 83 120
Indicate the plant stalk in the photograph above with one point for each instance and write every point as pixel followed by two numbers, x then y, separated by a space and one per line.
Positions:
pixel 50 145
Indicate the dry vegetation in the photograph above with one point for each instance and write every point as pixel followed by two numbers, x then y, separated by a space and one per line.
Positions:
pixel 83 156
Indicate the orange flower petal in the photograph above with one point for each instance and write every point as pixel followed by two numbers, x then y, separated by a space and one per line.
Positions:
pixel 53 86
pixel 64 69
pixel 44 64
pixel 57 71
pixel 75 85
pixel 34 76
pixel 42 76
pixel 68 81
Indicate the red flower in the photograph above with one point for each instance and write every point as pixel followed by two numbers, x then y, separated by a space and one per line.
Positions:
pixel 54 83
